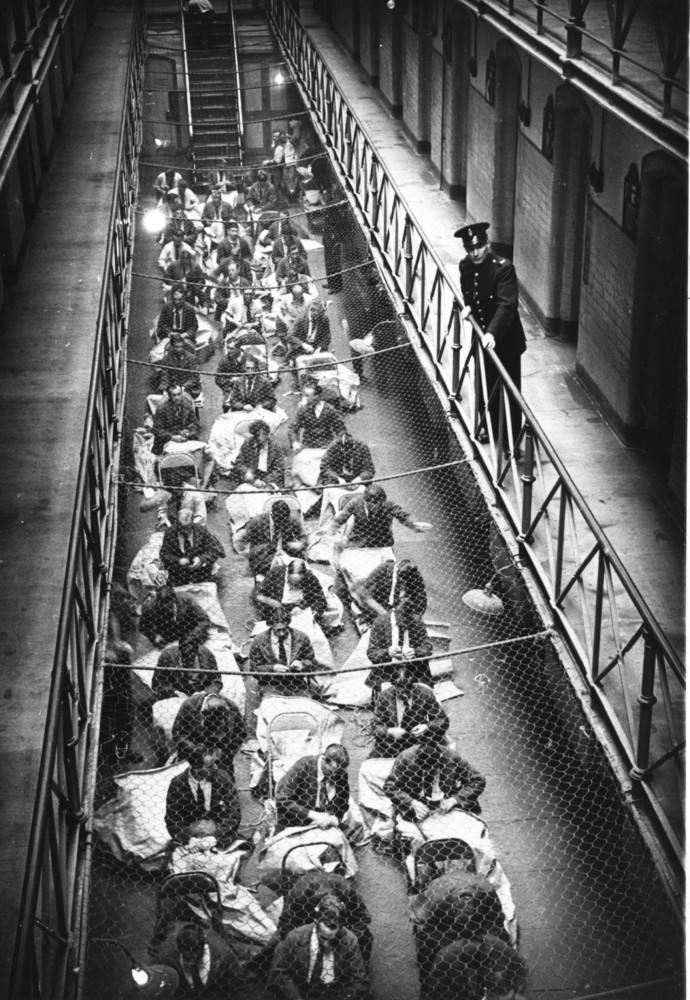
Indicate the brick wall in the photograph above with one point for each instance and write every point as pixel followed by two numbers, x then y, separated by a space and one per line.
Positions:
pixel 416 84
pixel 480 157
pixel 533 184
pixel 412 73
pixel 603 350
pixel 389 77
pixel 368 44
pixel 343 19
pixel 436 114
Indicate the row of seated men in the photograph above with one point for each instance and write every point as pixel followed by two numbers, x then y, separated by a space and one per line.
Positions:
pixel 422 775
pixel 461 914
pixel 426 775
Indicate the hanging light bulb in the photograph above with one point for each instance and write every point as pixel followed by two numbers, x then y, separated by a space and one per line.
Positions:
pixel 390 4
pixel 279 78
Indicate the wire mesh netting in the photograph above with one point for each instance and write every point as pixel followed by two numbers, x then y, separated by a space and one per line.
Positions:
pixel 338 753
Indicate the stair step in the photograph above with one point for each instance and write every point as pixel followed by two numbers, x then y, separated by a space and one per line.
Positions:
pixel 216 127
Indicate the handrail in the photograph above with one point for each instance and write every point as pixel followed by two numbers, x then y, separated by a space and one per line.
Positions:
pixel 49 932
pixel 632 102
pixel 607 626
pixel 188 96
pixel 27 72
pixel 240 119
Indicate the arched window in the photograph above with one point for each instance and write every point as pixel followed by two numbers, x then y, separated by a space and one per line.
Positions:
pixel 490 82
pixel 631 201
pixel 548 127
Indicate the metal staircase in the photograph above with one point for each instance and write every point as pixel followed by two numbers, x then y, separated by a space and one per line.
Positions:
pixel 213 99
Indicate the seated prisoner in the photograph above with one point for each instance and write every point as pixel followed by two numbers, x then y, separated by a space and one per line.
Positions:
pixel 276 536
pixel 189 552
pixel 282 653
pixel 202 802
pixel 209 719
pixel 320 959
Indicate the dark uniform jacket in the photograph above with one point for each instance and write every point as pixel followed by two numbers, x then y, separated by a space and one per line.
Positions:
pixel 248 458
pixel 262 657
pixel 263 541
pixel 412 778
pixel 380 640
pixel 303 897
pixel 492 292
pixel 372 522
pixel 273 585
pixel 187 620
pixel 199 543
pixel 182 319
pixel 347 461
pixel 251 390
pixel 225 974
pixel 317 431
pixel 182 809
pixel 173 418
pixel 297 794
pixel 421 707
pixel 379 585
pixel 170 678
pixel 179 368
pixel 231 365
pixel 289 975
pixel 320 333
pixel 217 728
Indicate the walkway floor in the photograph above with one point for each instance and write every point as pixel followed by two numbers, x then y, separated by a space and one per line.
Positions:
pixel 623 487
pixel 48 325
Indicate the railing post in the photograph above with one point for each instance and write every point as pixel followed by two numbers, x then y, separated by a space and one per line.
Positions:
pixel 478 387
pixel 457 344
pixel 646 701
pixel 374 192
pixel 574 30
pixel 527 478
pixel 348 147
pixel 407 243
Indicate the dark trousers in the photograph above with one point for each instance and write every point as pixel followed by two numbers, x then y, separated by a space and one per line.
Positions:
pixel 512 364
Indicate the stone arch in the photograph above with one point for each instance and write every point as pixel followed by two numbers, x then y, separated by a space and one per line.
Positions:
pixel 571 159
pixel 506 129
pixel 659 320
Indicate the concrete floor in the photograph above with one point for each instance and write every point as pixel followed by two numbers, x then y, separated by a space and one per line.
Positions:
pixel 589 914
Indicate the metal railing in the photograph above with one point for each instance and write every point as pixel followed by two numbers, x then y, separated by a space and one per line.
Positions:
pixel 633 678
pixel 590 46
pixel 236 57
pixel 28 62
pixel 187 81
pixel 50 942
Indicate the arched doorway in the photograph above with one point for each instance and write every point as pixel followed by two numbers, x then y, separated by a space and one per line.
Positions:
pixel 571 157
pixel 506 125
pixel 659 323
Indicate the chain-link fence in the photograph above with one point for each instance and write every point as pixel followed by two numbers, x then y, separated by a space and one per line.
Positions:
pixel 339 755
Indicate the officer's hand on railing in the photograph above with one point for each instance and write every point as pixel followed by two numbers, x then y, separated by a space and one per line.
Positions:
pixel 466 312
pixel 489 341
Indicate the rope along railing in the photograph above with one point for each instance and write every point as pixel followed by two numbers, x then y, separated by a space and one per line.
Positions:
pixel 48 950
pixel 631 670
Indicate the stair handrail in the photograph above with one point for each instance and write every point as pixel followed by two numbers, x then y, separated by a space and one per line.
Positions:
pixel 240 119
pixel 187 90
